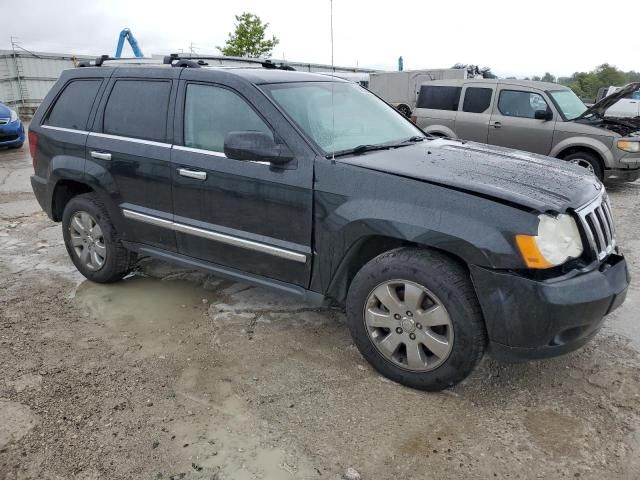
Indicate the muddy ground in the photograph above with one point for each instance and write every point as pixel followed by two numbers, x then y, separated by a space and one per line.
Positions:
pixel 173 374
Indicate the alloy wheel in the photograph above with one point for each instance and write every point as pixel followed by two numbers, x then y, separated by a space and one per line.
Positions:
pixel 87 240
pixel 582 163
pixel 408 325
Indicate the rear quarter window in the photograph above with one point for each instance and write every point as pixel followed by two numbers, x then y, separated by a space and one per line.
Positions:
pixel 72 107
pixel 138 109
pixel 439 98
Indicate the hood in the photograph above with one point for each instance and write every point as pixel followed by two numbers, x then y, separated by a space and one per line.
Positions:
pixel 529 180
pixel 603 105
pixel 5 112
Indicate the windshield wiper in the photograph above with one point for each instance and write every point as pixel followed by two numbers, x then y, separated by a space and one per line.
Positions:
pixel 360 149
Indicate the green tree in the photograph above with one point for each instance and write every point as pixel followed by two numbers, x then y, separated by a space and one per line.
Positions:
pixel 248 38
pixel 547 77
pixel 632 76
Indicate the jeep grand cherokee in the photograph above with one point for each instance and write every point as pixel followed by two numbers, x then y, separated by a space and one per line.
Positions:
pixel 311 185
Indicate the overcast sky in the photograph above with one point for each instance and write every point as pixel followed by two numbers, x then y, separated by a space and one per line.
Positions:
pixel 512 37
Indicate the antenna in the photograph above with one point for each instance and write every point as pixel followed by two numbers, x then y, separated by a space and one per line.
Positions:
pixel 333 110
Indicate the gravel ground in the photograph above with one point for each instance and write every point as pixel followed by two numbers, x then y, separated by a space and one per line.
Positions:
pixel 172 374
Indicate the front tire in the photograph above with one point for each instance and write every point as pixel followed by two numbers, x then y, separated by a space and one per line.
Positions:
pixel 587 160
pixel 92 242
pixel 414 315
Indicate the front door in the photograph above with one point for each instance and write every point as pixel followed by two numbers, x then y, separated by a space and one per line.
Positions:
pixel 130 140
pixel 513 123
pixel 245 215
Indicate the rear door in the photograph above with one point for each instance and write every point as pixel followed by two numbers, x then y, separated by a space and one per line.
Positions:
pixel 130 142
pixel 513 124
pixel 245 215
pixel 472 121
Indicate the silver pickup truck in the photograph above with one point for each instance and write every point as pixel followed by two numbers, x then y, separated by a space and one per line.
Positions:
pixel 538 117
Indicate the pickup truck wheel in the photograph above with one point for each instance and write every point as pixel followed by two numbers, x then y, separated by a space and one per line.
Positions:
pixel 92 242
pixel 586 160
pixel 414 315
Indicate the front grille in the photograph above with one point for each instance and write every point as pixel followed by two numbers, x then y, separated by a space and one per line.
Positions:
pixel 597 224
pixel 4 121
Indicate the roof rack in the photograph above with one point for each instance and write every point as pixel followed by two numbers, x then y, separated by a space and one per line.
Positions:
pixel 103 58
pixel 175 60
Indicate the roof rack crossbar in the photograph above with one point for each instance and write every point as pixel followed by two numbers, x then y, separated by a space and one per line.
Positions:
pixel 103 58
pixel 177 60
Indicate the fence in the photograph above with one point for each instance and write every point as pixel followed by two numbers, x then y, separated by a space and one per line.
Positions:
pixel 26 77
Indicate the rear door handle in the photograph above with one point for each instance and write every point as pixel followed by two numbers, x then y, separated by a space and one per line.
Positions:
pixel 185 172
pixel 495 124
pixel 101 155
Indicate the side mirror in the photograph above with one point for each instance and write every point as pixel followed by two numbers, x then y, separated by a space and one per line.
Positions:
pixel 543 115
pixel 255 146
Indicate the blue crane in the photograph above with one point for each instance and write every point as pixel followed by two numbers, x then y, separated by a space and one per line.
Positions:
pixel 126 34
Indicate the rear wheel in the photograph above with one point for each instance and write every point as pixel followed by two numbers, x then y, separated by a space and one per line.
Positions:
pixel 92 242
pixel 404 109
pixel 414 316
pixel 586 160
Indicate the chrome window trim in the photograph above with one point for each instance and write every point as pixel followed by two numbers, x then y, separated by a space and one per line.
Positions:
pixel 130 139
pixel 215 236
pixel 199 150
pixel 62 129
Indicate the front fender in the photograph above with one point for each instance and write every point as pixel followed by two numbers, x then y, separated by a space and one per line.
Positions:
pixel 585 142
pixel 354 204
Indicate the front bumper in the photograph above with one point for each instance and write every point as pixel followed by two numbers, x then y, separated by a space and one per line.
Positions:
pixel 529 319
pixel 622 174
pixel 12 134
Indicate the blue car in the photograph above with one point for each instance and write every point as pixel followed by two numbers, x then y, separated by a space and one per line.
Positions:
pixel 11 128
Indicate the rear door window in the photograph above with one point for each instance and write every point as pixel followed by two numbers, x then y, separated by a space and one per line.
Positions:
pixel 514 103
pixel 211 112
pixel 439 98
pixel 138 109
pixel 477 100
pixel 72 108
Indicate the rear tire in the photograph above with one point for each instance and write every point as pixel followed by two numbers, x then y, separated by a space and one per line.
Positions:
pixel 404 109
pixel 92 241
pixel 434 290
pixel 587 160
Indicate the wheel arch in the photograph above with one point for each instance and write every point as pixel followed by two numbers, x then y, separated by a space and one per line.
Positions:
pixel 63 191
pixel 440 131
pixel 595 147
pixel 366 249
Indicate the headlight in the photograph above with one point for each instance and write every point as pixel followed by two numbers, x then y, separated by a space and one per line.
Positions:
pixel 557 241
pixel 632 146
pixel 14 116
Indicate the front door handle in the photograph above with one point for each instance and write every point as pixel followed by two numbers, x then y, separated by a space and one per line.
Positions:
pixel 185 172
pixel 101 155
pixel 495 124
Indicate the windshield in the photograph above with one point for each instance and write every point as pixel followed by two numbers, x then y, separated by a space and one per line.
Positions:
pixel 569 103
pixel 341 116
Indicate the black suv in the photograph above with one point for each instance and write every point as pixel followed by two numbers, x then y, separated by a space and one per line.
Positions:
pixel 314 186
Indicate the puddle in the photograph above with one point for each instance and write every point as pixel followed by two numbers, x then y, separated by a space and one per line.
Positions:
pixel 16 420
pixel 154 312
